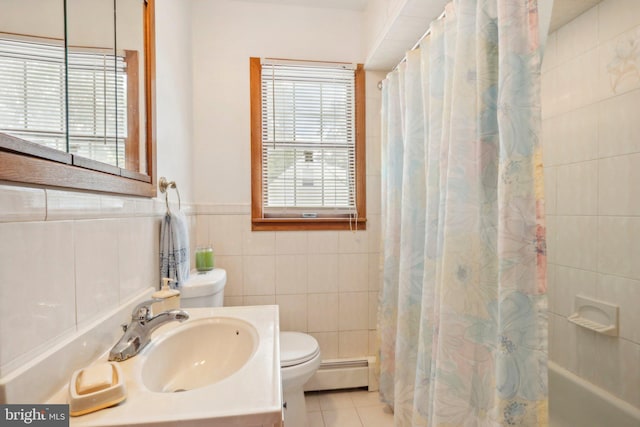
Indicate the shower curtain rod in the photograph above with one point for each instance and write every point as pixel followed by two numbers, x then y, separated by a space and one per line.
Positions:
pixel 415 46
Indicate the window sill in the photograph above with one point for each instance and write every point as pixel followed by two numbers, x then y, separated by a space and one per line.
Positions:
pixel 307 224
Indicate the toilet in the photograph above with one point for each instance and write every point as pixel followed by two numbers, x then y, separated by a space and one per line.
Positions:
pixel 299 359
pixel 299 352
pixel 203 289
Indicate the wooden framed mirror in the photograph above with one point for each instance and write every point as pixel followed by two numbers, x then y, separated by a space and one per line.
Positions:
pixel 77 106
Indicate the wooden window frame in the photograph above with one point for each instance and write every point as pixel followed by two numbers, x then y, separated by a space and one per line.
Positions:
pixel 258 222
pixel 25 162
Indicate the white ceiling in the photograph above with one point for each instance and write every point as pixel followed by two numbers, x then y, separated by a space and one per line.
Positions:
pixel 409 25
pixel 413 20
pixel 359 5
pixel 566 10
pixel 563 10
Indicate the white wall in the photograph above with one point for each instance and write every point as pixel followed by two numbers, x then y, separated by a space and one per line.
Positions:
pixel 591 139
pixel 225 34
pixel 90 23
pixel 34 17
pixel 325 282
pixel 174 95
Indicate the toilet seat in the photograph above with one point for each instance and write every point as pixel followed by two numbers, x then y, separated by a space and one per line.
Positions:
pixel 297 348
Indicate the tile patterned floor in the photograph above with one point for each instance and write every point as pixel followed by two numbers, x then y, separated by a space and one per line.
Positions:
pixel 348 408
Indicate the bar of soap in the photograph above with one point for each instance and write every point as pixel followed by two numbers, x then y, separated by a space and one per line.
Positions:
pixel 95 378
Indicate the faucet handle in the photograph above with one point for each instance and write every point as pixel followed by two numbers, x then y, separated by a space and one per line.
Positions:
pixel 142 311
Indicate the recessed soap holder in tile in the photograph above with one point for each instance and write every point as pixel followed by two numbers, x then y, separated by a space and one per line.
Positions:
pixel 598 316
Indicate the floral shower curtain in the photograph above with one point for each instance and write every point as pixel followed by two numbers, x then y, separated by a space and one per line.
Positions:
pixel 462 316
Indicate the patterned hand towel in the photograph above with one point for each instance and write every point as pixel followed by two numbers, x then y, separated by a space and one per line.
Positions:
pixel 174 249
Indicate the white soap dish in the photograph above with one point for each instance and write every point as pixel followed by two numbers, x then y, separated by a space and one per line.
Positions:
pixel 599 316
pixel 96 387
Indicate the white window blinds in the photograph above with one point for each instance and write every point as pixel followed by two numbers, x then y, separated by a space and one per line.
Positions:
pixel 32 98
pixel 308 139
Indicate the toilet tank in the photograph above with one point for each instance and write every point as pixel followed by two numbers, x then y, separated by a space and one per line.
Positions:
pixel 204 289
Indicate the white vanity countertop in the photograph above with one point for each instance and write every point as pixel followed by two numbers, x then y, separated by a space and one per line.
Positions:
pixel 251 396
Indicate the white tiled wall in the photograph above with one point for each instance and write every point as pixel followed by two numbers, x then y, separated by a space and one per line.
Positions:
pixel 325 282
pixel 320 279
pixel 67 258
pixel 591 139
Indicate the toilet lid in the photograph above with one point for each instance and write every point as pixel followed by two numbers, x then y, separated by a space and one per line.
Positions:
pixel 296 348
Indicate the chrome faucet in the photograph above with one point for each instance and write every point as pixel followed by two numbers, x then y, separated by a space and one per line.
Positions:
pixel 138 333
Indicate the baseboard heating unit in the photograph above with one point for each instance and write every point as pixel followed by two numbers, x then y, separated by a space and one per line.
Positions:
pixel 334 374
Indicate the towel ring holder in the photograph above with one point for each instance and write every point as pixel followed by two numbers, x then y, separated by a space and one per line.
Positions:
pixel 164 185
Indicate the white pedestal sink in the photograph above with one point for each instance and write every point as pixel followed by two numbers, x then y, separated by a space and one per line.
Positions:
pixel 219 368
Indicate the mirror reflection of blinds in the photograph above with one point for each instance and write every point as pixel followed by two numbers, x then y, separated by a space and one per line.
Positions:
pixel 32 98
pixel 32 92
pixel 96 85
pixel 308 139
